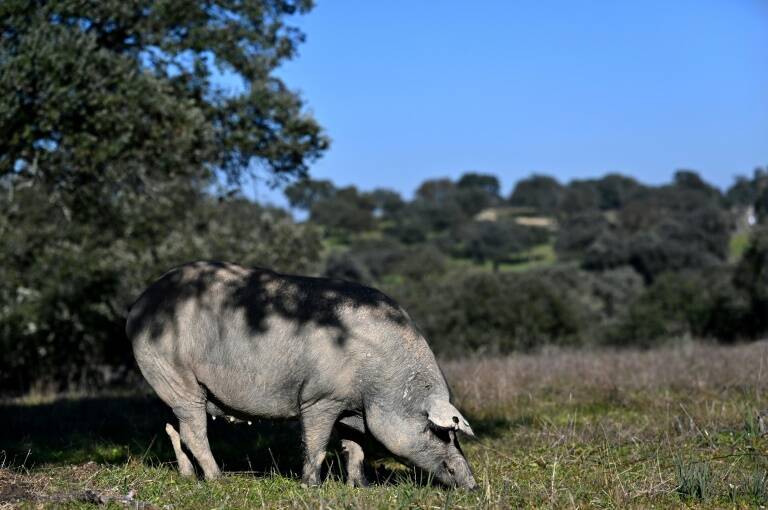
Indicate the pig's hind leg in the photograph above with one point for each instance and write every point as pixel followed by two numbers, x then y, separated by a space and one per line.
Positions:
pixel 317 423
pixel 180 390
pixel 193 429
pixel 351 430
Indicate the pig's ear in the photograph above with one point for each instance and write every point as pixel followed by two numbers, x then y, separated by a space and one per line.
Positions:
pixel 441 414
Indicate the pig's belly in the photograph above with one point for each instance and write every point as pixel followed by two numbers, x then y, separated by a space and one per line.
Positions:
pixel 255 396
pixel 269 375
pixel 253 385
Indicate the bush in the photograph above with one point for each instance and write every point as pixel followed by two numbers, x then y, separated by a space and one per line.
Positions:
pixel 608 250
pixel 684 304
pixel 497 241
pixel 603 296
pixel 492 312
pixel 540 192
pixel 379 257
pixel 66 285
pixel 345 266
pixel 751 277
pixel 579 231
pixel 420 262
pixel 345 211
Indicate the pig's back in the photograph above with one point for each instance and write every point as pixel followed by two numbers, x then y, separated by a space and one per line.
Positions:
pixel 262 342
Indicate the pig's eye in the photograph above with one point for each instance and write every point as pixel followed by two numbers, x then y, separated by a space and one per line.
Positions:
pixel 448 468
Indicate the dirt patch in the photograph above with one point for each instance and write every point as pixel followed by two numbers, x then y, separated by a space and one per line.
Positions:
pixel 16 487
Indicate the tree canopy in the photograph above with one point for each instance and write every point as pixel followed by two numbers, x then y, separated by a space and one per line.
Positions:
pixel 117 95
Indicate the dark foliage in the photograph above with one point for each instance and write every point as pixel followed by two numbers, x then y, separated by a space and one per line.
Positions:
pixel 112 135
pixel 752 278
pixel 539 192
pixel 495 313
pixel 675 227
pixel 745 191
pixel 497 241
pixel 345 211
pixel 305 193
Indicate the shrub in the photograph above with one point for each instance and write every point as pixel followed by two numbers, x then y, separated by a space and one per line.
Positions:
pixel 346 266
pixel 420 262
pixel 492 312
pixel 66 286
pixel 751 277
pixel 579 231
pixel 497 241
pixel 702 304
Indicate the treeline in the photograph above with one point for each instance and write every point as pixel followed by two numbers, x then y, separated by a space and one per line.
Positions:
pixel 606 261
pixel 597 261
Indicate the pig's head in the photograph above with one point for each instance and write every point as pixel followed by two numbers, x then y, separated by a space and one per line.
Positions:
pixel 439 451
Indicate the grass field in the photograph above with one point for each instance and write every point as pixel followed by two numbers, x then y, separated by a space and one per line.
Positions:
pixel 672 427
pixel 738 245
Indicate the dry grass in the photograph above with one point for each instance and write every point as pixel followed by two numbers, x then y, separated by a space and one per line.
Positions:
pixel 701 366
pixel 669 427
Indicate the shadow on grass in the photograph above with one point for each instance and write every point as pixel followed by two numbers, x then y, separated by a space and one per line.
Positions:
pixel 496 426
pixel 112 430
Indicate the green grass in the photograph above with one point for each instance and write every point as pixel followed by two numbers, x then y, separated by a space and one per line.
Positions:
pixel 542 255
pixel 738 245
pixel 667 428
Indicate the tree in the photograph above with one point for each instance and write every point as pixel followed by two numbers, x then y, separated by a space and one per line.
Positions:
pixel 493 312
pixel 387 203
pixel 410 226
pixel 67 285
pixel 751 192
pixel 751 277
pixel 746 191
pixel 607 250
pixel 115 94
pixel 540 192
pixel 112 131
pixel 305 193
pixel 690 180
pixel 580 196
pixel 345 266
pixel 615 190
pixel 475 192
pixel 496 241
pixel 436 190
pixel 435 206
pixel 579 231
pixel 347 210
pixel 761 206
pixel 484 182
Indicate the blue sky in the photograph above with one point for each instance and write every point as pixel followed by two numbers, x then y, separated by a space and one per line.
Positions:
pixel 410 90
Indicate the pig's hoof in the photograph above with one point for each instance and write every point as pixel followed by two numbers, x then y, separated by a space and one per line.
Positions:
pixel 310 482
pixel 359 481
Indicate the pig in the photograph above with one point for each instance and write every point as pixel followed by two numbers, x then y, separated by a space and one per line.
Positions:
pixel 245 343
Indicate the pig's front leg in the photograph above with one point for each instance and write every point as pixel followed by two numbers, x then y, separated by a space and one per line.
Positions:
pixel 351 429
